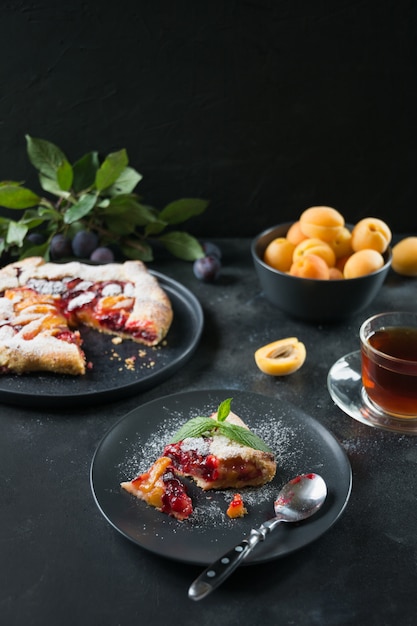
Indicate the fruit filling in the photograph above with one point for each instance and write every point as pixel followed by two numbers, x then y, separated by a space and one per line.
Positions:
pixel 175 500
pixel 159 487
pixel 197 462
pixel 236 507
pixel 193 462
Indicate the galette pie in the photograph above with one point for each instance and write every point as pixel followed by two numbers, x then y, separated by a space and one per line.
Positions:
pixel 43 307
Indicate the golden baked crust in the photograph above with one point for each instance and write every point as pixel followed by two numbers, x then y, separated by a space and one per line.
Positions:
pixel 121 299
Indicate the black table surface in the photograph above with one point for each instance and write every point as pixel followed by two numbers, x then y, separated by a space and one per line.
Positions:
pixel 62 564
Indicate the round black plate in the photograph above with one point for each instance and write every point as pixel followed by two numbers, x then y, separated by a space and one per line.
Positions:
pixel 301 445
pixel 114 375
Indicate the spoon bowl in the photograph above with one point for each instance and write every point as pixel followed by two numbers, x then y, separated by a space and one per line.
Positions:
pixel 298 500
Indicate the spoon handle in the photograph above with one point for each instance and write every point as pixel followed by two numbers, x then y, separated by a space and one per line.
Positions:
pixel 215 574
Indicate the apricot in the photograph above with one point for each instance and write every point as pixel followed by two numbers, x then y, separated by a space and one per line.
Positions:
pixel 281 357
pixel 278 254
pixel 340 263
pixel 341 244
pixel 312 245
pixel 295 234
pixel 310 266
pixel 323 222
pixel 335 274
pixel 371 232
pixel 363 262
pixel 404 257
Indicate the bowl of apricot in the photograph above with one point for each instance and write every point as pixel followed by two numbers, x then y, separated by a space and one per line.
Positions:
pixel 320 269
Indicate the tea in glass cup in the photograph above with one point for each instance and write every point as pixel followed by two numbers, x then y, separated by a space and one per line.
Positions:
pixel 389 362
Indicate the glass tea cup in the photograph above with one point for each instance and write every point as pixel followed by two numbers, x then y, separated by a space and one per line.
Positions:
pixel 389 363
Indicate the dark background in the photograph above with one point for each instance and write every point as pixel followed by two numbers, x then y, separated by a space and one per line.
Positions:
pixel 263 107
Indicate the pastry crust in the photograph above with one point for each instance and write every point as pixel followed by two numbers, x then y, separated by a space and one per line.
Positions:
pixel 121 299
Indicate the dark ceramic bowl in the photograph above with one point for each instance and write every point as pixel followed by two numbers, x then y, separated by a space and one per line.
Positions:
pixel 311 299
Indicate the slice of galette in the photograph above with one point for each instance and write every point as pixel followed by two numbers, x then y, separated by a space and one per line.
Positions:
pixel 217 452
pixel 216 461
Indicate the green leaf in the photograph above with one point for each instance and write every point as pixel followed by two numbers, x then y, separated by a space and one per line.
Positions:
pixel 49 213
pixel 40 250
pixel 125 183
pixel 181 210
pixel 195 427
pixel 52 186
pixel 140 251
pixel 155 227
pixel 182 245
pixel 16 233
pixel 111 168
pixel 224 409
pixel 45 156
pixel 13 196
pixel 80 209
pixel 85 170
pixel 127 204
pixel 120 225
pixel 64 175
pixel 31 219
pixel 243 436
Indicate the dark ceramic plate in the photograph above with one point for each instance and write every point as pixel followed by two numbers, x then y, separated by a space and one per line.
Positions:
pixel 301 445
pixel 114 375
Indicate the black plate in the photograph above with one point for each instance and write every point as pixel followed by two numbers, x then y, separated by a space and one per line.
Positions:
pixel 301 445
pixel 112 377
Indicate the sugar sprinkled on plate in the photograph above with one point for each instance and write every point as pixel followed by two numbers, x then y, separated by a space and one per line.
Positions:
pixel 210 506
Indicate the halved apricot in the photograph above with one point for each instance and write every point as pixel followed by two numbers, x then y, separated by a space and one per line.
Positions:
pixel 281 357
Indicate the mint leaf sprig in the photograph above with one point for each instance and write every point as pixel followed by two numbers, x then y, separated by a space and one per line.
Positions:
pixel 199 426
pixel 92 194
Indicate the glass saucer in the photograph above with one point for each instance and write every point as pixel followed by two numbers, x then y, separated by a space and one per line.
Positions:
pixel 344 383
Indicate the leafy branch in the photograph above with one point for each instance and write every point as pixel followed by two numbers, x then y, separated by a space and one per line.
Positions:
pixel 91 195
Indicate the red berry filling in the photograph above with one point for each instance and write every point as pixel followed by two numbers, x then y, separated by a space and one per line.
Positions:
pixel 228 471
pixel 191 463
pixel 175 500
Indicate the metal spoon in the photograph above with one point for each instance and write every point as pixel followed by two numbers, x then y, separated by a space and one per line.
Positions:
pixel 300 498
